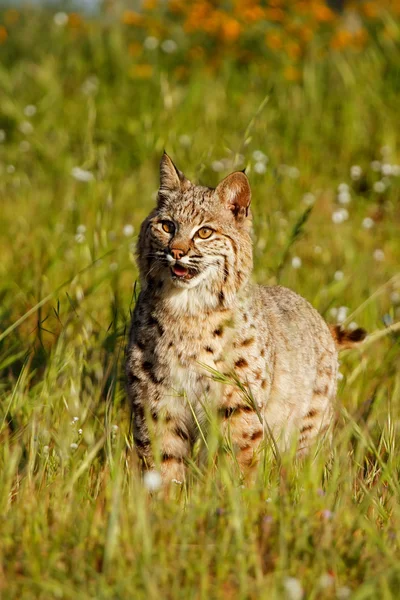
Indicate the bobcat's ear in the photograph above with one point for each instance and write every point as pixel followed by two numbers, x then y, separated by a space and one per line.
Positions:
pixel 171 178
pixel 235 193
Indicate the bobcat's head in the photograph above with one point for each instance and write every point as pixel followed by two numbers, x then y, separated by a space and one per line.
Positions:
pixel 195 246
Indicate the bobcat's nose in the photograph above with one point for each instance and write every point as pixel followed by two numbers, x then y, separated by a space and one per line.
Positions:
pixel 177 253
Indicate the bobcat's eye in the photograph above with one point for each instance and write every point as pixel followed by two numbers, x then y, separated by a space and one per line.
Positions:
pixel 168 226
pixel 204 233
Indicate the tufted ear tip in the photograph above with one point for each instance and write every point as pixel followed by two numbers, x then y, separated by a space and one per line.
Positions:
pixel 171 178
pixel 235 193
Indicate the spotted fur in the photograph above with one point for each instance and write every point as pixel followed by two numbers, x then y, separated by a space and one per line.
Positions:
pixel 196 307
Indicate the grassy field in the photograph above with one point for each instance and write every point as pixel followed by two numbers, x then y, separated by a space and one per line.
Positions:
pixel 86 108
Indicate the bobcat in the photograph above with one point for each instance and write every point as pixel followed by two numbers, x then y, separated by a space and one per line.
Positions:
pixel 196 307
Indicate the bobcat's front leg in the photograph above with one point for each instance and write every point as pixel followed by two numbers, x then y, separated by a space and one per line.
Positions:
pixel 162 428
pixel 242 427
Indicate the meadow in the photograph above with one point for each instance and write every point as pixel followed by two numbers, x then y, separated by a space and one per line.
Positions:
pixel 307 100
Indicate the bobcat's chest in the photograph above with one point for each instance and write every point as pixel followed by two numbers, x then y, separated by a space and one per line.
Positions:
pixel 190 359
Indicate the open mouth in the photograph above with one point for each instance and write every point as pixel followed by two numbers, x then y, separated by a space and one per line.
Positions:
pixel 180 272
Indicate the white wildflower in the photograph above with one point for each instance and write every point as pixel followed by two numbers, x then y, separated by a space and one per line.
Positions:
pixel 352 326
pixel 217 166
pixel 395 297
pixel 46 449
pixel 151 43
pixel 176 481
pixel 75 419
pixel 80 431
pixel 90 85
pixel 293 588
pixel 342 314
pixel 10 169
pixel 308 199
pixel 169 46
pixel 343 592
pixel 185 140
pixel 296 262
pixel 259 156
pixel 396 170
pixel 81 174
pixel 30 110
pixel 368 223
pixel 379 255
pixel 326 580
pixel 152 481
pixel 344 197
pixel 343 187
pixel 339 216
pixel 128 230
pixel 338 276
pixel 260 168
pixel 80 238
pixel 60 19
pixel 355 172
pixel 26 127
pixel 81 229
pixel 293 172
pixel 73 446
pixel 379 187
pixel 386 169
pixel 339 376
pixel 114 428
pixel 333 312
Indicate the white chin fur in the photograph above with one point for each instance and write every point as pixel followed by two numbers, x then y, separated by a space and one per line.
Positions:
pixel 192 295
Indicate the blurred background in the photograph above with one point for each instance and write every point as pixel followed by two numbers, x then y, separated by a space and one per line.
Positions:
pixel 303 94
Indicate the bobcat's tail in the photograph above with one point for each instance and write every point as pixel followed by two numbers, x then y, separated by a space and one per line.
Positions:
pixel 344 338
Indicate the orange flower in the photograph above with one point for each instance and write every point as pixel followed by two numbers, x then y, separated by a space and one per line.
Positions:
pixel 201 17
pixel 274 40
pixel 130 17
pixel 11 16
pixel 253 14
pixel 341 39
pixel 322 13
pixel 135 49
pixel 293 50
pixel 292 74
pixel 176 6
pixel 360 38
pixel 230 30
pixel 274 14
pixel 149 4
pixel 74 20
pixel 143 71
pixel 370 9
pixel 3 34
pixel 306 34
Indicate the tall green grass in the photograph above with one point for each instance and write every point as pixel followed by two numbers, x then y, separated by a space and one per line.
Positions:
pixel 76 520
